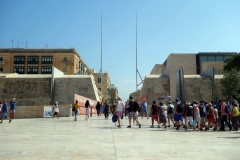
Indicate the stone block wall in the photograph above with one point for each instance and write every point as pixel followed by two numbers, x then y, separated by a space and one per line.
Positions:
pixel 155 87
pixel 28 91
pixel 65 88
pixel 174 61
pixel 198 89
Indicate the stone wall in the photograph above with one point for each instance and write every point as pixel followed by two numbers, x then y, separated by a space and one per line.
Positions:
pixel 174 61
pixel 198 88
pixel 154 87
pixel 28 91
pixel 66 87
pixel 37 111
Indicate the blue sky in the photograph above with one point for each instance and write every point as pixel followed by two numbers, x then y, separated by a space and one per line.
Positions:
pixel 164 27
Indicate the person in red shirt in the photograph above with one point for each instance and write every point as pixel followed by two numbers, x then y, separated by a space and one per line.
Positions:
pixel 155 113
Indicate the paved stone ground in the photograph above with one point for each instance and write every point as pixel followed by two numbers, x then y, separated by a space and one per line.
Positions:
pixel 63 138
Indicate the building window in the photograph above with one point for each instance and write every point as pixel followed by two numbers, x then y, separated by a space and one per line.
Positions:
pixel 19 59
pixel 32 70
pixel 99 80
pixel 18 69
pixel 46 59
pixel 1 69
pixel 1 58
pixel 64 69
pixel 211 59
pixel 46 70
pixel 99 89
pixel 202 59
pixel 65 59
pixel 33 60
pixel 219 58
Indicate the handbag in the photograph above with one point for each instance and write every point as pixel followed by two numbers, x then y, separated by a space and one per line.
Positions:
pixel 73 108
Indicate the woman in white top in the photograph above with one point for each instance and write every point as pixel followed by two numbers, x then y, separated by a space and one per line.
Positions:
pixel 120 109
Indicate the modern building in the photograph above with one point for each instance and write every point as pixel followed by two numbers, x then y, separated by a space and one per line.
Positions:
pixel 186 76
pixel 40 61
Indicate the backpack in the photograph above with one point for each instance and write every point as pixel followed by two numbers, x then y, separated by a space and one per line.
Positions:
pixel 179 108
pixel 170 108
pixel 202 109
pixel 114 118
pixel 227 109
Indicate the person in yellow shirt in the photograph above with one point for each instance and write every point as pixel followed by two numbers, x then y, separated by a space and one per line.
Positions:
pixel 76 108
pixel 235 115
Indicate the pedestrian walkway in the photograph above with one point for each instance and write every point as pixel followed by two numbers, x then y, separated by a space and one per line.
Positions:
pixel 63 138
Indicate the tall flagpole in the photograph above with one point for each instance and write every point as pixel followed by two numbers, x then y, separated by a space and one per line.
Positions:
pixel 136 51
pixel 101 54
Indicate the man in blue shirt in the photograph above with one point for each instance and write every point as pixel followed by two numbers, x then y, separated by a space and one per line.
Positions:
pixel 144 108
pixel 4 111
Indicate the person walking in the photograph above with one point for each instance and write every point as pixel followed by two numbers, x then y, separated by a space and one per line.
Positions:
pixel 189 115
pixel 13 107
pixel 87 110
pixel 106 109
pixel 170 110
pixel 98 108
pixel 224 116
pixel 144 108
pixel 235 115
pixel 197 117
pixel 55 110
pixel 133 107
pixel 120 109
pixel 154 114
pixel 76 108
pixel 162 117
pixel 178 110
pixel 4 111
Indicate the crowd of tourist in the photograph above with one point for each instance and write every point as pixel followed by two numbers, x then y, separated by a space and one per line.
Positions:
pixel 188 115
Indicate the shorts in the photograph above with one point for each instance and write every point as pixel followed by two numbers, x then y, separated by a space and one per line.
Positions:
pixel 144 111
pixel 190 119
pixel 55 113
pixel 170 116
pixel 12 111
pixel 119 114
pixel 198 119
pixel 4 115
pixel 132 115
pixel 178 117
pixel 155 117
pixel 203 120
pixel 210 117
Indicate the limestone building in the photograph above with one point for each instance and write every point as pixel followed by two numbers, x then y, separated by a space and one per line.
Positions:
pixel 103 84
pixel 40 61
pixel 35 91
pixel 186 76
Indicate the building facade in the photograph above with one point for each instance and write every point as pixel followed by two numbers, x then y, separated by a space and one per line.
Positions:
pixel 40 61
pixel 186 76
pixel 103 83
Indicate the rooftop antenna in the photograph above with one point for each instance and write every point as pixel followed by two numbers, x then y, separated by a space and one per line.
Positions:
pixel 46 46
pixel 18 43
pixel 26 44
pixel 22 44
pixel 12 43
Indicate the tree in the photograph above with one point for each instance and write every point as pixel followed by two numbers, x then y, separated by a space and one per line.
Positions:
pixel 232 62
pixel 230 83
